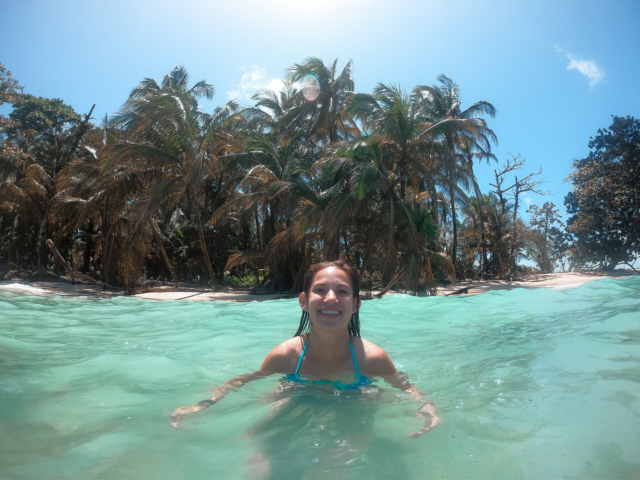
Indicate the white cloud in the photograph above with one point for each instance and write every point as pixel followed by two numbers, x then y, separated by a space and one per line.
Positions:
pixel 252 81
pixel 588 68
pixel 527 200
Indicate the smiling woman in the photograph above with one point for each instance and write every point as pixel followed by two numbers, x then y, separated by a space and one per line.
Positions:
pixel 327 348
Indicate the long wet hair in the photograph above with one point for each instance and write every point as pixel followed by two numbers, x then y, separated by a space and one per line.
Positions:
pixel 354 323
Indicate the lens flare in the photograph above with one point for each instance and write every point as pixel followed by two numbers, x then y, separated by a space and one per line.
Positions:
pixel 310 87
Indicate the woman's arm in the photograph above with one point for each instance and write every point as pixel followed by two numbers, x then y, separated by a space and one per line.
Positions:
pixel 279 360
pixel 377 363
pixel 428 410
pixel 218 394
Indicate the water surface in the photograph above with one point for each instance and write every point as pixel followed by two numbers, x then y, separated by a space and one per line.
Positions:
pixel 529 384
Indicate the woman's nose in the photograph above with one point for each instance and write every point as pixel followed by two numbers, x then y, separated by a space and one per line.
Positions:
pixel 331 295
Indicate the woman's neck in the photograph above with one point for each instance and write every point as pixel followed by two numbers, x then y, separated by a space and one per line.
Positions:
pixel 329 347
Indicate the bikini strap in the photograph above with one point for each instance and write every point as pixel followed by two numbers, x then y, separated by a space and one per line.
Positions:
pixel 355 362
pixel 353 355
pixel 302 356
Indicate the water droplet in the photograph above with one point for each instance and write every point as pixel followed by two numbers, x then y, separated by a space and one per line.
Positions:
pixel 315 460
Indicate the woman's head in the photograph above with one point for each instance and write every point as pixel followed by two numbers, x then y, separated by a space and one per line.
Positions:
pixel 330 298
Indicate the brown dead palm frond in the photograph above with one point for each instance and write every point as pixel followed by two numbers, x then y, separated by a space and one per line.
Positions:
pixel 443 262
pixel 252 258
pixel 38 174
pixel 280 245
pixel 23 202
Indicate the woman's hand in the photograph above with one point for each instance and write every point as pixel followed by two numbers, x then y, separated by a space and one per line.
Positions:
pixel 218 394
pixel 176 416
pixel 428 411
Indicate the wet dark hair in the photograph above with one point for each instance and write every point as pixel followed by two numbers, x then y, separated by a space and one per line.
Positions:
pixel 354 323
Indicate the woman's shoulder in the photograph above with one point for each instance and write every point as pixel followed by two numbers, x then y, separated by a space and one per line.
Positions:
pixel 284 357
pixel 373 361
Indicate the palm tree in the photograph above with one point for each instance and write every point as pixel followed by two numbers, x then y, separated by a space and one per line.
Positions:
pixel 443 102
pixel 27 188
pixel 325 115
pixel 408 139
pixel 162 126
pixel 373 199
pixel 475 212
pixel 502 234
pixel 269 180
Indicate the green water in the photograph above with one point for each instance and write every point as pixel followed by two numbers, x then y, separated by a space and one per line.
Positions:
pixel 529 384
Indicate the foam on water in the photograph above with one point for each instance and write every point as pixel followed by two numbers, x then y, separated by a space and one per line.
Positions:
pixel 529 384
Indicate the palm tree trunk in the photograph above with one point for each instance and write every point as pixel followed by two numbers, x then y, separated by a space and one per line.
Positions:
pixel 43 253
pixel 455 227
pixel 476 187
pixel 433 196
pixel 14 218
pixel 484 251
pixel 158 237
pixel 109 276
pixel 203 245
pixel 255 212
pixel 88 247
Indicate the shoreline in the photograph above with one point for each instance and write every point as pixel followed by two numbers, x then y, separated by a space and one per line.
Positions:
pixel 63 287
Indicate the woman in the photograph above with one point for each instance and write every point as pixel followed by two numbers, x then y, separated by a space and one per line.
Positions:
pixel 327 348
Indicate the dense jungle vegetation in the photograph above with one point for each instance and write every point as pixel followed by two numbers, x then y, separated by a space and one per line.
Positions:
pixel 383 180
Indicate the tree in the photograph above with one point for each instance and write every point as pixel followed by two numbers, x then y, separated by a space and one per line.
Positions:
pixel 504 235
pixel 546 242
pixel 470 135
pixel 325 115
pixel 42 134
pixel 603 203
pixel 9 87
pixel 163 126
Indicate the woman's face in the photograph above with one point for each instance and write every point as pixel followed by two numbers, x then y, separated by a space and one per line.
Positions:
pixel 330 301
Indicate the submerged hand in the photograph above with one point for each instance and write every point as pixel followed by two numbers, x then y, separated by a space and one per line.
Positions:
pixel 428 411
pixel 176 416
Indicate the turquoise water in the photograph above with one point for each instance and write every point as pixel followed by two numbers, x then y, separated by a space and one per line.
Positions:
pixel 529 384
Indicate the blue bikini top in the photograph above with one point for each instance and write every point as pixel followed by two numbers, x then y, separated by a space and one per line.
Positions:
pixel 361 379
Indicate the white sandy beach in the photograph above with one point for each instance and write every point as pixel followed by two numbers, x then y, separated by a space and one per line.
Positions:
pixel 555 281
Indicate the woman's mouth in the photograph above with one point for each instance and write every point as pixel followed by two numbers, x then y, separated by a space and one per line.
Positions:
pixel 330 312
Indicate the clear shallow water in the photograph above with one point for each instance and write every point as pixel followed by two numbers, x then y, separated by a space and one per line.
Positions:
pixel 529 384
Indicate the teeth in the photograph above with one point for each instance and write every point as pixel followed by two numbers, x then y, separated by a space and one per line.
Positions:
pixel 330 312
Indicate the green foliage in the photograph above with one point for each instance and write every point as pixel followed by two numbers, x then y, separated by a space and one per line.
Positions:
pixel 42 115
pixel 245 281
pixel 603 204
pixel 9 87
pixel 547 243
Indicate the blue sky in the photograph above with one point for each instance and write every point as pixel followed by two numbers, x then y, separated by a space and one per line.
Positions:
pixel 555 70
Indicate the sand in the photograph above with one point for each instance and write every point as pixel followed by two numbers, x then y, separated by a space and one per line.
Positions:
pixel 555 281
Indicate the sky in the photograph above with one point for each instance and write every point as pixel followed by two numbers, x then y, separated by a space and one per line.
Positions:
pixel 556 71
